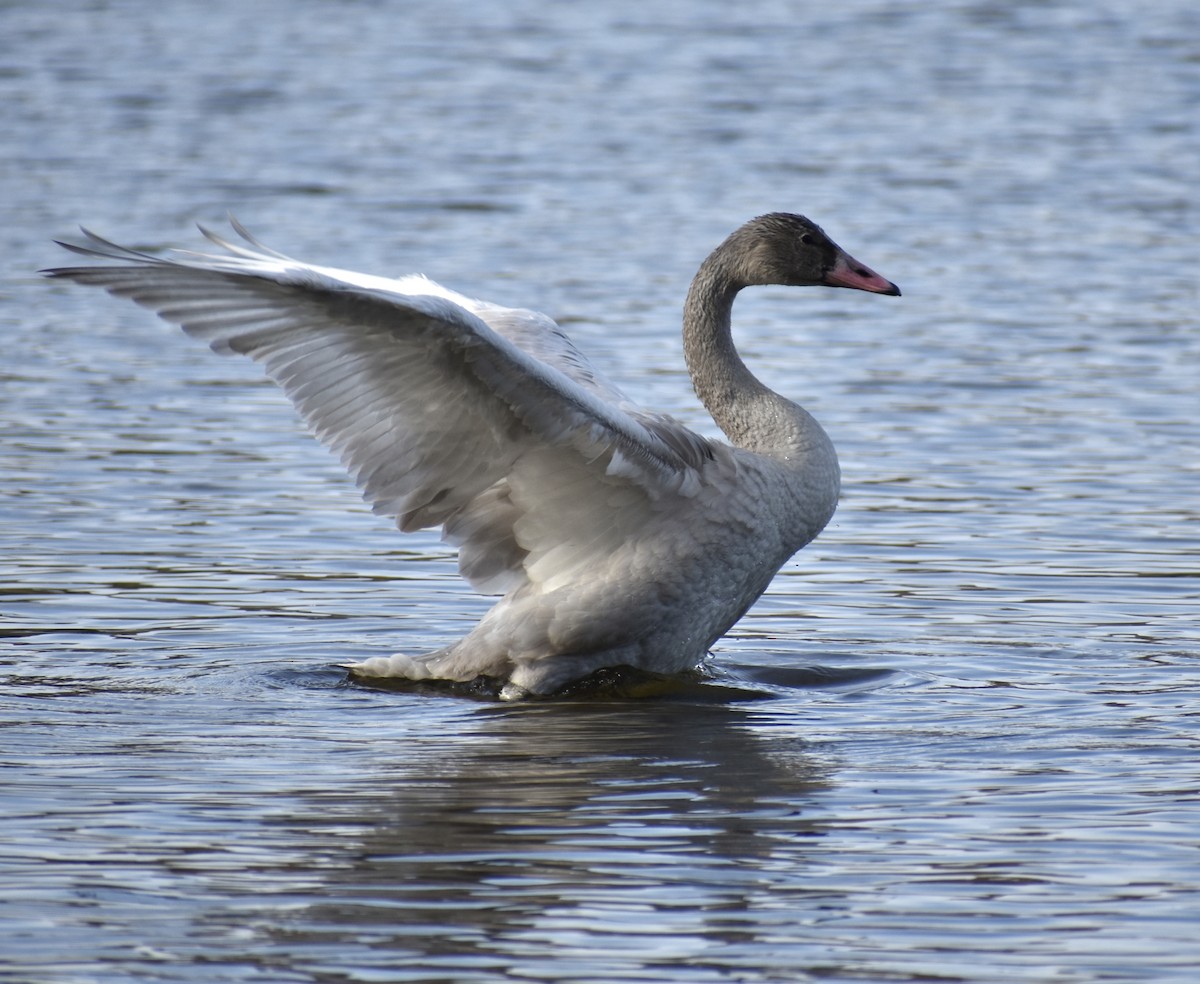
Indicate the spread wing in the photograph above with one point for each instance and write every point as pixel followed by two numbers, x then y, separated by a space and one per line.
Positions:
pixel 431 400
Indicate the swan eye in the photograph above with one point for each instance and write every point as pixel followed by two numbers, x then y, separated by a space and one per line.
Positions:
pixel 808 239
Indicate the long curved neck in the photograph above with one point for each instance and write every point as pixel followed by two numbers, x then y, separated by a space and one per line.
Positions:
pixel 751 415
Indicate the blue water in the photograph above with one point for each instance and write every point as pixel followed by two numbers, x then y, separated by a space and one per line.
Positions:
pixel 957 739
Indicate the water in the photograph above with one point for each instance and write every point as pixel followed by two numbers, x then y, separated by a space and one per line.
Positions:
pixel 957 739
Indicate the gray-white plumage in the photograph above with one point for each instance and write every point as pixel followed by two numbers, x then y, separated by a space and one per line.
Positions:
pixel 615 535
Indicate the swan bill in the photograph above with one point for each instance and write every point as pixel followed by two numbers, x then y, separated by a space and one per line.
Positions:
pixel 848 272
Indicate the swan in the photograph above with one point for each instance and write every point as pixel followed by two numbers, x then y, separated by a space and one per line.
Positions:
pixel 614 535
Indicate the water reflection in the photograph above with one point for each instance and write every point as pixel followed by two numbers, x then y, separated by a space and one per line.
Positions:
pixel 573 824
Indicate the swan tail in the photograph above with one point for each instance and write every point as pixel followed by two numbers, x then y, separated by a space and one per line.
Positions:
pixel 396 665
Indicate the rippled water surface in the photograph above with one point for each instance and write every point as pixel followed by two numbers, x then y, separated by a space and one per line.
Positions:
pixel 957 739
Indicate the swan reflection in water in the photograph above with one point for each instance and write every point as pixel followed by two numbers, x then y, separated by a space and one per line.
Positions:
pixel 614 535
pixel 548 829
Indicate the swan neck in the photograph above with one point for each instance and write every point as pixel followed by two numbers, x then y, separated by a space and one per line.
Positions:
pixel 751 415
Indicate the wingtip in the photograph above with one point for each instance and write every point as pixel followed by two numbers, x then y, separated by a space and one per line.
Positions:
pixel 213 237
pixel 99 246
pixel 240 229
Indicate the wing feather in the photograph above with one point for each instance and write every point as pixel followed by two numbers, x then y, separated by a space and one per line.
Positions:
pixel 428 397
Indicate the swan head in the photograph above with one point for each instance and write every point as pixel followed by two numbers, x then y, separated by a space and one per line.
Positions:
pixel 781 248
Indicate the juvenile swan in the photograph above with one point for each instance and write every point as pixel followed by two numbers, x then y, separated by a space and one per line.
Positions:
pixel 615 535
